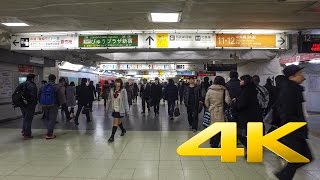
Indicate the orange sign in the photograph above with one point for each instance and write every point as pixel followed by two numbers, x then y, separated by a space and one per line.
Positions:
pixel 246 40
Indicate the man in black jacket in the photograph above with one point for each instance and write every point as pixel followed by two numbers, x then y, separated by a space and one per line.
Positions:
pixel 83 94
pixel 192 100
pixel 145 91
pixel 171 95
pixel 291 110
pixel 156 94
pixel 234 89
pixel 30 93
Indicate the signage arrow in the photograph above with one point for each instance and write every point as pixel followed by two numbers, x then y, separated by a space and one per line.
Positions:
pixel 282 40
pixel 149 39
pixel 15 42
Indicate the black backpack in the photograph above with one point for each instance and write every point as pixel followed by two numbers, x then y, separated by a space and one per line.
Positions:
pixel 19 96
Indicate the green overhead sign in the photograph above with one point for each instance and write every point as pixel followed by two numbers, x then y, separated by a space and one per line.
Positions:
pixel 94 41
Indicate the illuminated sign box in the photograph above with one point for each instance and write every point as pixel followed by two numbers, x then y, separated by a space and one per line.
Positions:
pixel 309 43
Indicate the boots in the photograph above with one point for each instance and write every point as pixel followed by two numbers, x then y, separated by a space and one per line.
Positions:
pixel 114 130
pixel 122 129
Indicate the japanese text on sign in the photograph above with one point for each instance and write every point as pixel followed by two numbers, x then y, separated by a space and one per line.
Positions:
pixel 109 41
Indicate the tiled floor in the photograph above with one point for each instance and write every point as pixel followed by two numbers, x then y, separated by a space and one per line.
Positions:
pixel 138 155
pixel 84 153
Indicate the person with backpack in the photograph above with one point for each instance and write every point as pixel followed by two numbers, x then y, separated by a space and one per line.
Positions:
pixel 63 98
pixel 290 105
pixel 25 97
pixel 192 101
pixel 233 87
pixel 83 94
pixel 50 94
pixel 263 95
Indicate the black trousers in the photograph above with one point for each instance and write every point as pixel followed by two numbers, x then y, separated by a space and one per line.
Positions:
pixel 80 107
pixel 171 106
pixel 90 104
pixel 215 140
pixel 156 104
pixel 193 117
pixel 300 146
pixel 27 113
pixel 64 107
pixel 144 102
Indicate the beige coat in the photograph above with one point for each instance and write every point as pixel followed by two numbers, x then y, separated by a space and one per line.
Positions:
pixel 215 101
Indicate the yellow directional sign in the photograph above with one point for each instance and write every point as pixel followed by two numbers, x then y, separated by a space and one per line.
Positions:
pixel 162 40
pixel 246 40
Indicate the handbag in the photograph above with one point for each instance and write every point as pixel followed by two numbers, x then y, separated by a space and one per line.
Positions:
pixel 176 112
pixel 86 110
pixel 206 122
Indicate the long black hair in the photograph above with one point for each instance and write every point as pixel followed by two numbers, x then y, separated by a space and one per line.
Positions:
pixel 247 80
pixel 119 81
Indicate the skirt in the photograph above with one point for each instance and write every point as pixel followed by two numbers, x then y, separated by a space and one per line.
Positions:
pixel 116 115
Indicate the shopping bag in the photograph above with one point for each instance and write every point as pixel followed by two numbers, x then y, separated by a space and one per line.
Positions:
pixel 176 112
pixel 206 122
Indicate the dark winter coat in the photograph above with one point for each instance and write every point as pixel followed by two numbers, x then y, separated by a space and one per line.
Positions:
pixel 83 94
pixel 135 90
pixel 156 92
pixel 272 94
pixel 290 107
pixel 129 94
pixel 31 93
pixel 198 96
pixel 92 93
pixel 171 92
pixel 105 91
pixel 233 87
pixel 248 106
pixel 145 91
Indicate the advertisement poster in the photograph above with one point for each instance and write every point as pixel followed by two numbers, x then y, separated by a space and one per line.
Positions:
pixel 6 84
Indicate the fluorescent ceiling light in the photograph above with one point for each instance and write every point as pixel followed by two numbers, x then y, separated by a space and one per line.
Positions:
pixel 294 63
pixel 315 61
pixel 165 17
pixel 15 24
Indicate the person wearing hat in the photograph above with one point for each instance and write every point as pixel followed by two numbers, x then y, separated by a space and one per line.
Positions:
pixel 291 110
pixel 30 92
pixel 156 95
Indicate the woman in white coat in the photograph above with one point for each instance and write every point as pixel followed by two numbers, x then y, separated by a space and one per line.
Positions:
pixel 216 98
pixel 119 107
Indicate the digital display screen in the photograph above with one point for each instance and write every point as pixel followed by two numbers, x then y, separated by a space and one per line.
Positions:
pixel 221 67
pixel 309 43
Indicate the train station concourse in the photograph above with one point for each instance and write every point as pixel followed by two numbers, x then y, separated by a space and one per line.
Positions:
pixel 160 90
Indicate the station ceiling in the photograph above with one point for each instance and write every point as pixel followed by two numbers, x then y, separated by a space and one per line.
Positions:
pixel 77 15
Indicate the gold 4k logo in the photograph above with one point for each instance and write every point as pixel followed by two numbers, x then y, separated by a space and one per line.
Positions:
pixel 256 141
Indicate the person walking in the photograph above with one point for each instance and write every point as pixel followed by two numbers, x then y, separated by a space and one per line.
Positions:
pixel 247 106
pixel 156 95
pixel 234 89
pixel 171 95
pixel 181 89
pixel 71 97
pixel 119 106
pixel 145 91
pixel 135 92
pixel 290 107
pixel 263 95
pixel 29 92
pixel 216 99
pixel 105 92
pixel 83 100
pixel 192 100
pixel 129 93
pixel 272 93
pixel 43 83
pixel 50 96
pixel 63 99
pixel 92 94
pixel 98 89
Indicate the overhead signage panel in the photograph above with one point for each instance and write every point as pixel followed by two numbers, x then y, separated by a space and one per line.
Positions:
pixel 309 43
pixel 137 66
pixel 98 41
pixel 254 41
pixel 168 40
pixel 61 42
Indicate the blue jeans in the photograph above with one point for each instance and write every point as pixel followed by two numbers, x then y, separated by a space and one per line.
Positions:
pixel 51 114
pixel 27 113
pixel 171 106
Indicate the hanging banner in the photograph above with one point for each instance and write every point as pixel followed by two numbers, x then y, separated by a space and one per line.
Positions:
pixel 46 42
pixel 97 41
pixel 254 41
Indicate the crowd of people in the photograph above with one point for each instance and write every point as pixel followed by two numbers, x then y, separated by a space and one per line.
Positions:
pixel 240 100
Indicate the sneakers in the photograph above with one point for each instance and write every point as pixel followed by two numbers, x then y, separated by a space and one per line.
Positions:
pixel 50 137
pixel 194 130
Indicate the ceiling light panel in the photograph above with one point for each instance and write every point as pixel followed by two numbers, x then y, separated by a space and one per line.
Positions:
pixel 165 17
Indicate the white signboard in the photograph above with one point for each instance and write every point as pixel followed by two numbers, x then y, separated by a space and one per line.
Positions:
pixel 29 42
pixel 6 84
pixel 168 40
